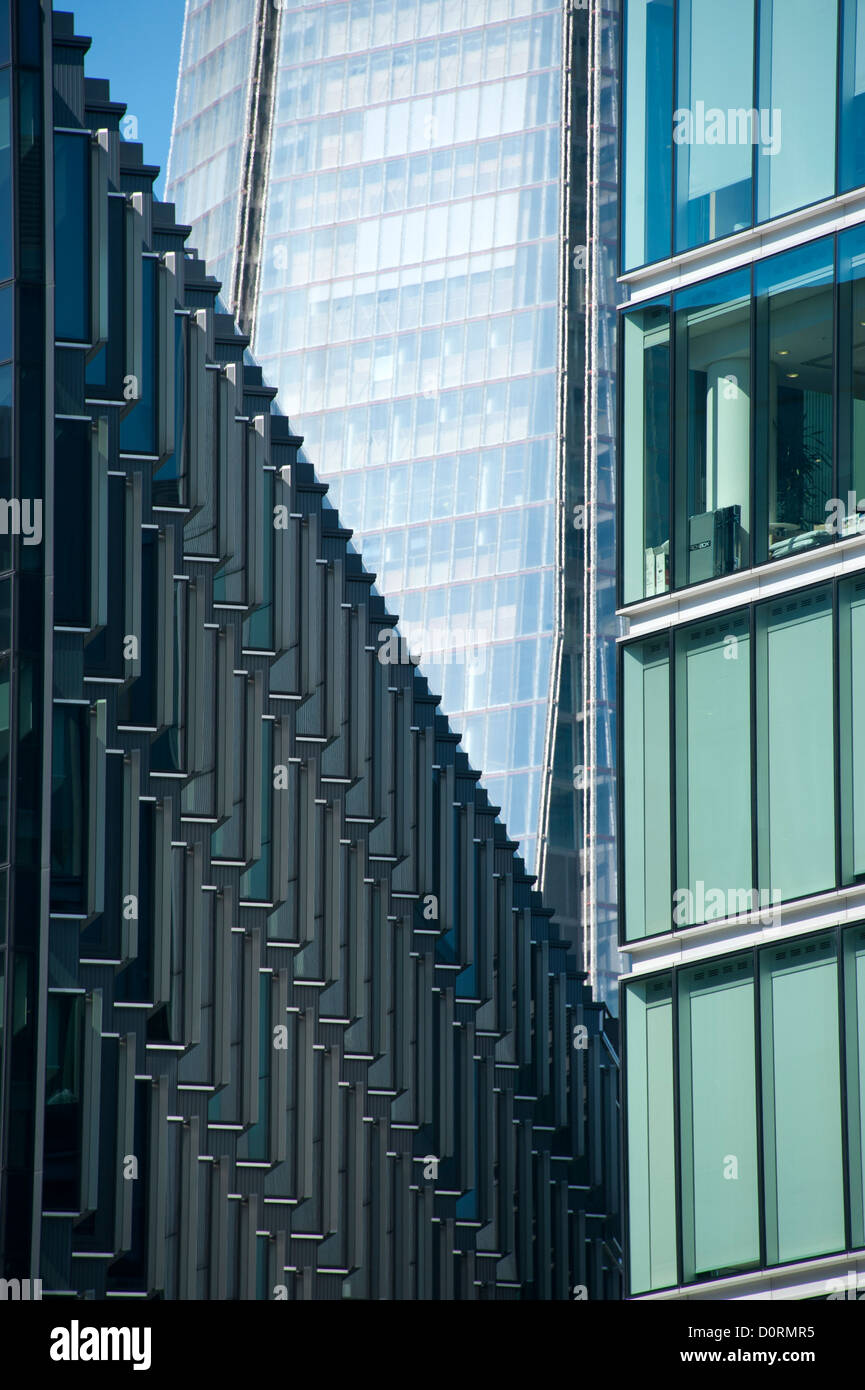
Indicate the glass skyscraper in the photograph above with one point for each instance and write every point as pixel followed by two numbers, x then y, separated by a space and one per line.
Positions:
pixel 393 194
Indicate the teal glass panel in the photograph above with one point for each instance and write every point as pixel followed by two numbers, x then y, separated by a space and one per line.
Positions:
pixel 847 516
pixel 713 769
pixel 138 428
pixel 851 133
pixel 646 452
pixel 651 1142
pixel 5 736
pixel 7 394
pixel 794 425
pixel 713 428
pixel 854 1054
pixel 6 302
pixel 168 482
pixel 802 1140
pixel 795 744
pixel 718 1115
pixel 646 696
pixel 647 131
pixel 851 687
pixel 6 237
pixel 255 882
pixel 713 152
pixel 72 237
pixel 797 88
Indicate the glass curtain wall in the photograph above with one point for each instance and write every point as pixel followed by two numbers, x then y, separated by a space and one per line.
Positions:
pixel 759 117
pixel 767 711
pixel 737 1069
pixel 761 365
pixel 205 163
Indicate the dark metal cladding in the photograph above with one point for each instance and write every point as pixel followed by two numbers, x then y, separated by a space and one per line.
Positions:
pixel 307 1030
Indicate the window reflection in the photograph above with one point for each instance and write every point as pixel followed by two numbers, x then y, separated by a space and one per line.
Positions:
pixel 794 398
pixel 713 325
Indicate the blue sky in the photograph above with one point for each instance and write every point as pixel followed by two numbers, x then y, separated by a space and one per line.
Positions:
pixel 136 45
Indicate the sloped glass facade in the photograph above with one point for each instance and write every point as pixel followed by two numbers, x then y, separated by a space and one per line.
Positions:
pixel 406 304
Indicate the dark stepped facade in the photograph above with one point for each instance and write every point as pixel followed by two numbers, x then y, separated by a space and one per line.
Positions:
pixel 308 1030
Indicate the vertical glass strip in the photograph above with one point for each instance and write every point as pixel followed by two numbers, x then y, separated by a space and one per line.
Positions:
pixel 796 99
pixel 713 134
pixel 802 1139
pixel 713 769
pixel 718 1109
pixel 648 132
pixel 795 741
pixel 646 452
pixel 651 1143
pixel 648 898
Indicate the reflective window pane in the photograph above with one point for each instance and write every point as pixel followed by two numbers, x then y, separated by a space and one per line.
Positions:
pixel 794 434
pixel 646 452
pixel 713 769
pixel 646 699
pixel 713 157
pixel 796 100
pixel 718 1117
pixel 802 1142
pixel 713 428
pixel 651 1142
pixel 795 744
pixel 648 131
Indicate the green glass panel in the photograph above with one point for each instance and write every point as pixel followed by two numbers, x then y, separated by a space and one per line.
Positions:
pixel 713 428
pixel 715 68
pixel 795 740
pixel 713 765
pixel 803 1162
pixel 797 89
pixel 646 452
pixel 851 680
pixel 651 1161
pixel 854 1010
pixel 718 1104
pixel 648 894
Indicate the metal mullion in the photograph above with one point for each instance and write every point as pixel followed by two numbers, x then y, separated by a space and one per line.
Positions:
pixel 842 1056
pixel 620 796
pixel 674 856
pixel 756 36
pixel 758 1088
pixel 674 171
pixel 677 1126
pixel 752 693
pixel 836 729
